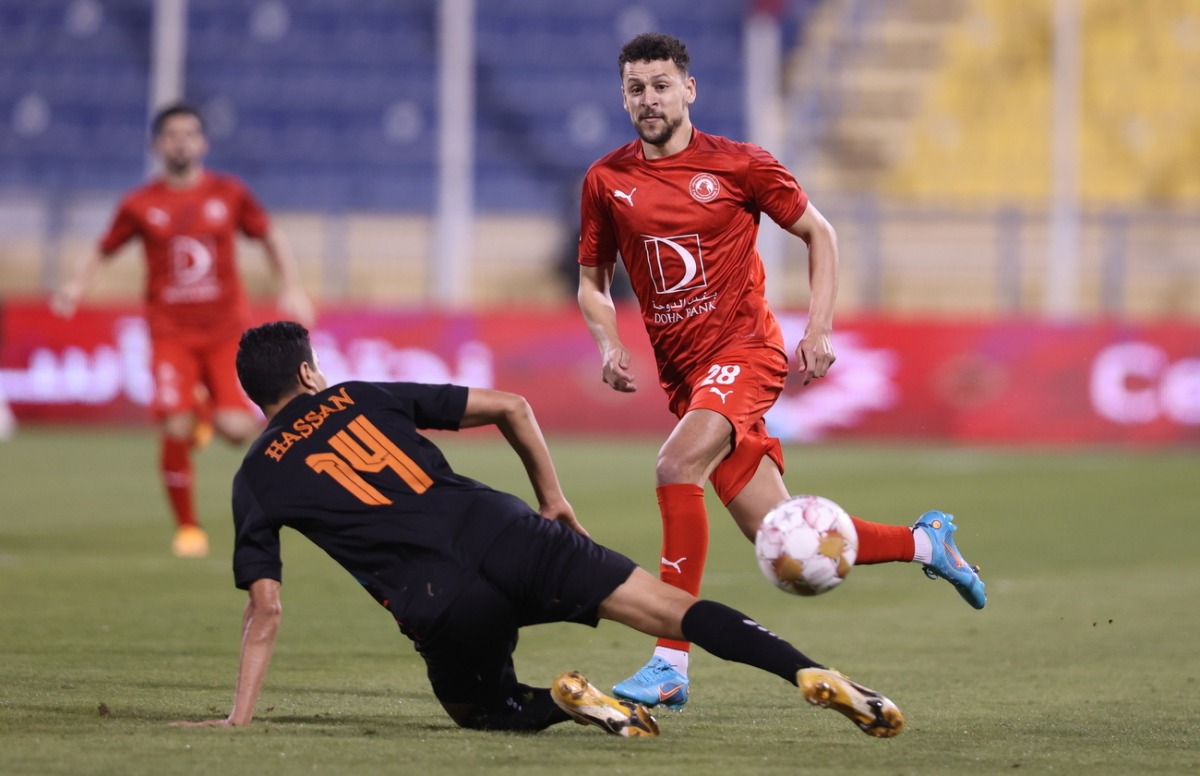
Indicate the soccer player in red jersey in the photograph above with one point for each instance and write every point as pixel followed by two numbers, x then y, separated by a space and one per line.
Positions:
pixel 682 209
pixel 188 221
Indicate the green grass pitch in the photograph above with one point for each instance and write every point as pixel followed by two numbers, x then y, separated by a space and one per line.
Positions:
pixel 1085 660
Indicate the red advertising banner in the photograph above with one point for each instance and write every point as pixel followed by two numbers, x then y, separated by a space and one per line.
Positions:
pixel 1007 381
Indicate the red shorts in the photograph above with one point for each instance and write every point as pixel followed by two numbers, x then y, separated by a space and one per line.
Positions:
pixel 180 368
pixel 741 385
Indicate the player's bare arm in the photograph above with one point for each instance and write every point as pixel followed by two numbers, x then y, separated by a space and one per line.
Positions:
pixel 260 625
pixel 514 417
pixel 814 354
pixel 65 301
pixel 600 313
pixel 293 301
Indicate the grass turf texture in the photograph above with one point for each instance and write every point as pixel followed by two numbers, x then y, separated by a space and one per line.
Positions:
pixel 1083 662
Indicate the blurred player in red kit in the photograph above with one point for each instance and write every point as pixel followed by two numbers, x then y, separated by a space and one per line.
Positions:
pixel 682 209
pixel 188 220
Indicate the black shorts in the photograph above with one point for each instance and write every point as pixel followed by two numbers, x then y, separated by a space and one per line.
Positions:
pixel 537 571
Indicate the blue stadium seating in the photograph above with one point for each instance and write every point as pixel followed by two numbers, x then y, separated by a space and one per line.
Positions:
pixel 92 82
pixel 305 88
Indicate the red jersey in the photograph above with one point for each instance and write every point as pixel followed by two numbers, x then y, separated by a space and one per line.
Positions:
pixel 686 227
pixel 193 289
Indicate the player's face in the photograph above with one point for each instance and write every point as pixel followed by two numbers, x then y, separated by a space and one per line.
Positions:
pixel 657 96
pixel 180 143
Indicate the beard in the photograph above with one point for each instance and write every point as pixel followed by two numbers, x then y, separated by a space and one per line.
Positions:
pixel 177 164
pixel 662 135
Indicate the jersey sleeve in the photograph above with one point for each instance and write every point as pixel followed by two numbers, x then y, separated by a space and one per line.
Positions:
pixel 597 238
pixel 430 406
pixel 775 188
pixel 252 218
pixel 124 227
pixel 256 539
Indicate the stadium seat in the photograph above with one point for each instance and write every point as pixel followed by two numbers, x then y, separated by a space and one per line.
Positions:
pixel 983 134
pixel 308 83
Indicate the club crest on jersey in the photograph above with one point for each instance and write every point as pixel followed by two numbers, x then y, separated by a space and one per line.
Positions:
pixel 704 187
pixel 215 211
pixel 158 217
pixel 676 263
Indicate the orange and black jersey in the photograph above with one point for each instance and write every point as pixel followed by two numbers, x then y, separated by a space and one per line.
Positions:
pixel 348 469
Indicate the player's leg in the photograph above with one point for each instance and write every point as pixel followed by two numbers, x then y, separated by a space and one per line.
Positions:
pixel 696 445
pixel 718 404
pixel 764 489
pixel 233 416
pixel 202 428
pixel 750 482
pixel 468 658
pixel 878 543
pixel 547 572
pixel 929 542
pixel 650 606
pixel 176 373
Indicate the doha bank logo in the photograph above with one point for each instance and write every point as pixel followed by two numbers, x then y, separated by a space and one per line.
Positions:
pixel 676 263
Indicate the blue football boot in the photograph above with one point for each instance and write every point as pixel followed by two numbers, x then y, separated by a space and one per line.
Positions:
pixel 947 563
pixel 657 682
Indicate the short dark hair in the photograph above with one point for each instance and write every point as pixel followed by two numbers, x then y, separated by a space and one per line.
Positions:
pixel 269 358
pixel 171 111
pixel 652 47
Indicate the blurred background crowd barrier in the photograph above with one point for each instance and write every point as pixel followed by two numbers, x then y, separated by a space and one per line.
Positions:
pixel 1027 163
pixel 991 382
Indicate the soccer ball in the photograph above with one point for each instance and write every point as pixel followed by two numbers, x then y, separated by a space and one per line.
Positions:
pixel 806 545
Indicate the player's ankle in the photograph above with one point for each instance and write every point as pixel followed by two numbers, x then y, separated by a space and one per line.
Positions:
pixel 678 658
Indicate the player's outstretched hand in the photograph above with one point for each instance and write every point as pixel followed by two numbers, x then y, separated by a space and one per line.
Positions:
pixel 565 513
pixel 295 304
pixel 65 301
pixel 616 370
pixel 814 356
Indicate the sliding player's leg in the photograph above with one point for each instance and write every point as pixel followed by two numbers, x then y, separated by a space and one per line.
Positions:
pixel 649 605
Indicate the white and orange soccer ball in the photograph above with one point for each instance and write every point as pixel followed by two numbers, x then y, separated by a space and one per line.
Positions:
pixel 806 545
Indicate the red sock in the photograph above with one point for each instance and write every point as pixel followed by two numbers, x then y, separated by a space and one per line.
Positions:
pixel 879 543
pixel 685 541
pixel 175 464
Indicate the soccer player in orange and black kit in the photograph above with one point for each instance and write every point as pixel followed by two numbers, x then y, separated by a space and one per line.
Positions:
pixel 682 209
pixel 460 566
pixel 188 221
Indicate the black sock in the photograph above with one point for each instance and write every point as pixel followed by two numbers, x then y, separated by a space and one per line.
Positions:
pixel 731 635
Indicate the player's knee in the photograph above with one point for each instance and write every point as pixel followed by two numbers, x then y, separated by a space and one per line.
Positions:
pixel 472 722
pixel 483 717
pixel 178 425
pixel 466 715
pixel 674 469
